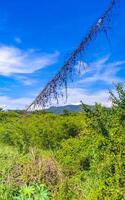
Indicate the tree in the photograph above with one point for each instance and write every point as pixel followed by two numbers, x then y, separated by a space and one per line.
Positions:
pixel 118 100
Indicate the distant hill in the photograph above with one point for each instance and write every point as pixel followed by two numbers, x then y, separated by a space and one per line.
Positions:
pixel 60 110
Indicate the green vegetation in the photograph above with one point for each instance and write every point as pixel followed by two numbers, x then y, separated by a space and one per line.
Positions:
pixel 72 156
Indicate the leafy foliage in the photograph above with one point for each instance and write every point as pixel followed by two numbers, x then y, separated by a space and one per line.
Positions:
pixel 70 156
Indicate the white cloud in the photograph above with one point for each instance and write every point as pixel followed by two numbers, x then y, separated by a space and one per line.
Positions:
pixel 75 95
pixel 16 61
pixel 11 103
pixel 103 70
pixel 25 80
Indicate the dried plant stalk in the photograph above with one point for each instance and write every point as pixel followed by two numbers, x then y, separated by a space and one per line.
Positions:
pixel 53 90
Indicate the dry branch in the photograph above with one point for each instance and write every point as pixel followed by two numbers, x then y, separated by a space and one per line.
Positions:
pixel 53 90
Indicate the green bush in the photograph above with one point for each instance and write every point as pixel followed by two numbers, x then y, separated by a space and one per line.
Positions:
pixel 64 157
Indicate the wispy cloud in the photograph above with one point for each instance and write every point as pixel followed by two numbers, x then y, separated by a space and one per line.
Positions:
pixel 25 80
pixel 75 95
pixel 11 103
pixel 18 40
pixel 16 61
pixel 103 70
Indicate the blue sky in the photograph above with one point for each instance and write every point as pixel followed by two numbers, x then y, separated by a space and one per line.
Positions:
pixel 36 37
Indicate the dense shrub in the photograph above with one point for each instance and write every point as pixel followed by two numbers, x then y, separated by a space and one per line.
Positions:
pixel 64 157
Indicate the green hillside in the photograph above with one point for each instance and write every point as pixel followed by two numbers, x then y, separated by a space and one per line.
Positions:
pixel 71 156
pixel 62 109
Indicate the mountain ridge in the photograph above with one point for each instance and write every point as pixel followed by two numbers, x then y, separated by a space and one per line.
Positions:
pixel 61 109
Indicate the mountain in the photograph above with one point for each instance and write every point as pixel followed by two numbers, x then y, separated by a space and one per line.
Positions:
pixel 61 109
